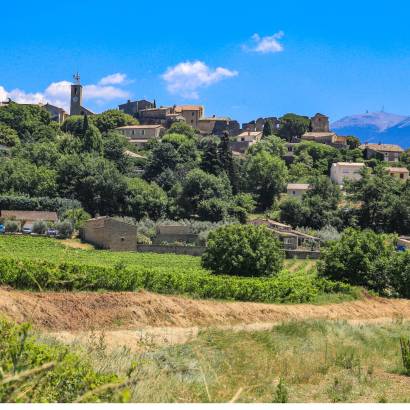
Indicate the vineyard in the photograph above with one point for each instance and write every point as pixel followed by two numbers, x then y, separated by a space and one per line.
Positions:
pixel 45 264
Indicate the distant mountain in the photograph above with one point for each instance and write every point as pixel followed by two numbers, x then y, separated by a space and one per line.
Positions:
pixel 376 127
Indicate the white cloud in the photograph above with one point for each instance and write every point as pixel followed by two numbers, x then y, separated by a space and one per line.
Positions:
pixel 267 44
pixel 117 78
pixel 186 78
pixel 58 93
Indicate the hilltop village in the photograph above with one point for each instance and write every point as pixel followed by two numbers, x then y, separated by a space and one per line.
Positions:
pixel 120 221
pixel 292 174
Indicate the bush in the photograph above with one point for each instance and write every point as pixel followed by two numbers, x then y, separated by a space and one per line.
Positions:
pixel 39 227
pixel 360 258
pixel 65 229
pixel 57 375
pixel 11 226
pixel 243 250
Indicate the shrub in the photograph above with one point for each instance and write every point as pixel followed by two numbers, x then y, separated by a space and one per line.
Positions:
pixel 399 274
pixel 55 373
pixel 243 250
pixel 11 226
pixel 39 227
pixel 405 354
pixel 360 258
pixel 65 229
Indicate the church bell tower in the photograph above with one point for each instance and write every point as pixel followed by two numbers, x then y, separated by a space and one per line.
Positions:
pixel 76 96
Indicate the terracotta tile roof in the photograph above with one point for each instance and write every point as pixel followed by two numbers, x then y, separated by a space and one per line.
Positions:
pixel 298 186
pixel 30 215
pixel 383 147
pixel 351 164
pixel 180 108
pixel 318 134
pixel 138 127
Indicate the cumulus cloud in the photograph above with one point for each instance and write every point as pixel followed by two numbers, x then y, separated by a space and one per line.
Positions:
pixel 58 93
pixel 117 78
pixel 186 78
pixel 267 44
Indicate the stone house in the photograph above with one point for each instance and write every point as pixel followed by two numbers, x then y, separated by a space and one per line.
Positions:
pixel 164 116
pixel 135 107
pixel 218 126
pixel 384 152
pixel 245 140
pixel 191 113
pixel 297 190
pixel 290 238
pixel 320 132
pixel 57 114
pixel 141 134
pixel 257 125
pixel 27 218
pixel 174 233
pixel 341 171
pixel 105 232
pixel 398 172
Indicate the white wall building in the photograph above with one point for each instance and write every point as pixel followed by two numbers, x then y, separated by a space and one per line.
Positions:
pixel 297 190
pixel 341 171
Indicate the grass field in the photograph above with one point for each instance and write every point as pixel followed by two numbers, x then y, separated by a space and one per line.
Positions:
pixel 39 263
pixel 317 361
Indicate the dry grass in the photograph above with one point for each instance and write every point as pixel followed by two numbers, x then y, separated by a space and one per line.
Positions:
pixel 318 361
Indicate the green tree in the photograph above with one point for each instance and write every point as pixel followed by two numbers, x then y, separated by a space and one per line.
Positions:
pixel 293 125
pixel 114 147
pixel 199 186
pixel 213 209
pixel 211 162
pixel 91 137
pixel 144 199
pixel 266 176
pixel 228 163
pixel 25 119
pixel 267 129
pixel 181 127
pixel 19 176
pixel 111 119
pixel 359 258
pixel 8 136
pixel 243 250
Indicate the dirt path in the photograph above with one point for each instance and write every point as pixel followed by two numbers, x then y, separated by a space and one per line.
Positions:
pixel 130 317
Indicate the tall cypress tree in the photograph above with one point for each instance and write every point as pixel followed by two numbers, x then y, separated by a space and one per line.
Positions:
pixel 211 162
pixel 267 129
pixel 228 163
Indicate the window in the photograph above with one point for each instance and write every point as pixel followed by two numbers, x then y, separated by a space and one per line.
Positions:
pixel 142 132
pixel 242 139
pixel 294 192
pixel 401 176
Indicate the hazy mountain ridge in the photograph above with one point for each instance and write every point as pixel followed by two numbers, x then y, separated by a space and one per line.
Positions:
pixel 376 127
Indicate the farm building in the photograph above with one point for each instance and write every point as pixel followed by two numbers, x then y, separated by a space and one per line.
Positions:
pixel 107 233
pixel 174 233
pixel 290 238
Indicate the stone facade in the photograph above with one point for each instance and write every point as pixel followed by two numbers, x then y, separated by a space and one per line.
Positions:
pixel 108 233
pixel 57 114
pixel 400 173
pixel 174 233
pixel 191 113
pixel 384 152
pixel 320 123
pixel 297 190
pixel 135 107
pixel 141 132
pixel 218 126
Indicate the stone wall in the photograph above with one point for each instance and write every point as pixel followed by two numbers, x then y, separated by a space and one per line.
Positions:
pixel 199 250
pixel 301 254
pixel 179 250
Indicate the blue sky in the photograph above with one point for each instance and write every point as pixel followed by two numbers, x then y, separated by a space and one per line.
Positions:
pixel 239 59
